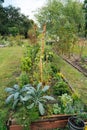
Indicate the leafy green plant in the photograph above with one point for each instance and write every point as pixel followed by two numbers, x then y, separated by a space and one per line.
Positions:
pixel 23 79
pixel 82 115
pixel 60 88
pixel 29 62
pixel 16 95
pixel 27 94
pixel 48 55
pixel 37 97
pixel 56 109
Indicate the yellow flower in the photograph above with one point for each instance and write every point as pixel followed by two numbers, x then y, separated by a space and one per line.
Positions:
pixel 60 74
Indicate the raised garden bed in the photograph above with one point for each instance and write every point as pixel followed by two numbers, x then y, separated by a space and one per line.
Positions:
pixel 46 123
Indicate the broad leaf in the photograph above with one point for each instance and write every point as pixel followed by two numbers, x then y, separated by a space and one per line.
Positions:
pixel 38 86
pixel 27 97
pixel 16 95
pixel 30 106
pixel 27 86
pixel 16 86
pixel 45 88
pixel 21 98
pixel 48 97
pixel 41 109
pixel 9 98
pixel 15 103
pixel 9 89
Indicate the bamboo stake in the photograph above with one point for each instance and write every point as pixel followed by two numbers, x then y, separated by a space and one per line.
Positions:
pixel 42 52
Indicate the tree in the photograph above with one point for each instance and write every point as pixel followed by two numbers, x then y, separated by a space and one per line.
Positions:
pixel 13 21
pixel 64 20
pixel 3 21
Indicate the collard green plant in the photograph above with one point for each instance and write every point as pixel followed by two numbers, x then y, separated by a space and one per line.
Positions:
pixel 15 95
pixel 34 97
pixel 37 97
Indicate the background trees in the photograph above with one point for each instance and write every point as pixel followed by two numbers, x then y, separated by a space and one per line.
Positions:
pixel 13 22
pixel 64 20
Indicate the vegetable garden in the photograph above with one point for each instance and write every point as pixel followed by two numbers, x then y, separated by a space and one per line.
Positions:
pixel 36 82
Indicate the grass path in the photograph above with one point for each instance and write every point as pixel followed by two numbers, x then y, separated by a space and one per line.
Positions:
pixel 77 80
pixel 10 59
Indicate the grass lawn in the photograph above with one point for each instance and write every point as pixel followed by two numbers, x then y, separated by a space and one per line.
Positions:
pixel 10 60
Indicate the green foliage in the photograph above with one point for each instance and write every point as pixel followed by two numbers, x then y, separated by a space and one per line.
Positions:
pixel 37 97
pixel 3 119
pixel 64 19
pixel 16 95
pixel 60 86
pixel 48 56
pixel 56 109
pixel 82 115
pixel 84 58
pixel 70 105
pixel 23 79
pixel 25 116
pixel 26 64
pixel 15 40
pixel 13 21
pixel 13 31
pixel 67 104
pixel 28 61
pixel 32 34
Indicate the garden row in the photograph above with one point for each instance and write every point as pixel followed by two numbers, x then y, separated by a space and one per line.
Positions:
pixel 32 97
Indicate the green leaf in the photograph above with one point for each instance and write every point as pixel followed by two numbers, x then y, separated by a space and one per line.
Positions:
pixel 38 86
pixel 21 98
pixel 16 86
pixel 27 86
pixel 45 88
pixel 9 89
pixel 49 97
pixel 15 103
pixel 30 106
pixel 41 109
pixel 27 97
pixel 16 95
pixel 9 98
